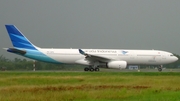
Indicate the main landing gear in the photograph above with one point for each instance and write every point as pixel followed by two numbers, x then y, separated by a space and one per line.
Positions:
pixel 91 69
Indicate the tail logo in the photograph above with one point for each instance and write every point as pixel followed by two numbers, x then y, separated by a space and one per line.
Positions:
pixel 18 39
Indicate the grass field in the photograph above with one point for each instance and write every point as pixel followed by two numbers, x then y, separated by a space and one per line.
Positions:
pixel 89 86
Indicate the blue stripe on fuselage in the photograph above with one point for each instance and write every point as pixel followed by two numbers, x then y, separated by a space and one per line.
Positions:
pixel 37 55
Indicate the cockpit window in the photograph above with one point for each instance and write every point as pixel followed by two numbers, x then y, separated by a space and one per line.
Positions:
pixel 171 55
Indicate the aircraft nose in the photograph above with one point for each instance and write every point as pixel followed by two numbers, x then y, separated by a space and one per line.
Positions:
pixel 176 58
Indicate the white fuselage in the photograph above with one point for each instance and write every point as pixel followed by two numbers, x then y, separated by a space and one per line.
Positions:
pixel 150 57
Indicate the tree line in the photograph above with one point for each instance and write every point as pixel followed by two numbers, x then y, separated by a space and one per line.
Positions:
pixel 24 64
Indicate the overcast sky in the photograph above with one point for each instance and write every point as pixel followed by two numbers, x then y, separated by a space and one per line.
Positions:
pixel 119 24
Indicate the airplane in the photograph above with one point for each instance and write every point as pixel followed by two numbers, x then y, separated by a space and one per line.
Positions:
pixel 92 58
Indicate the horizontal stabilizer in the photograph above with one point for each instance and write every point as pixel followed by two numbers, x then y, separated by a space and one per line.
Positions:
pixel 17 51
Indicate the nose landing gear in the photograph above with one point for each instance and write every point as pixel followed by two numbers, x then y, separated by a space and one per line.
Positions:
pixel 160 68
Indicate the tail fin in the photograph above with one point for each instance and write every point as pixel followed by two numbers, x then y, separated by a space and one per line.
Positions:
pixel 18 39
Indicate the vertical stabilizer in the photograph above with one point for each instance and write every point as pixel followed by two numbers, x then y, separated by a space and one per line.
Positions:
pixel 18 39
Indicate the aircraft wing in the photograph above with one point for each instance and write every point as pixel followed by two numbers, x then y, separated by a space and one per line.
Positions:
pixel 94 57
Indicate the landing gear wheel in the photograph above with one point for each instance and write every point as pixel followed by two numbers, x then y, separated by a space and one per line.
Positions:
pixel 96 69
pixel 159 69
pixel 91 69
pixel 86 69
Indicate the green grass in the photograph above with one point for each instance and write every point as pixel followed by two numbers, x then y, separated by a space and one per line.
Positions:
pixel 89 86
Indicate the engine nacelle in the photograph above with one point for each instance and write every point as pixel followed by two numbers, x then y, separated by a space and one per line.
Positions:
pixel 117 64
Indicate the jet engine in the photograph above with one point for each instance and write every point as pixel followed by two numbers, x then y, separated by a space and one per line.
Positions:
pixel 117 64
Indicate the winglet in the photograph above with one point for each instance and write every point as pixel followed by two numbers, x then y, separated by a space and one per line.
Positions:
pixel 81 52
